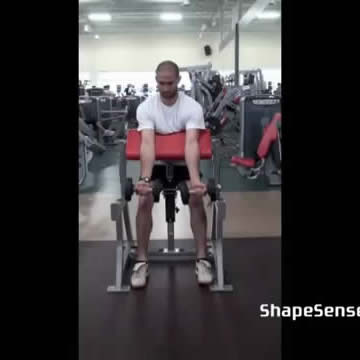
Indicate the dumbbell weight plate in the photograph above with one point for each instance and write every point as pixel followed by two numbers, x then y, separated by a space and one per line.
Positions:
pixel 212 189
pixel 184 192
pixel 129 189
pixel 157 187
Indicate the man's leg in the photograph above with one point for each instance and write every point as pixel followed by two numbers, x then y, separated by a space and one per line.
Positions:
pixel 140 271
pixel 198 223
pixel 144 225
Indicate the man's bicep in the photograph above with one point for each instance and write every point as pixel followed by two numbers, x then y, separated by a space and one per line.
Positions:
pixel 143 119
pixel 196 120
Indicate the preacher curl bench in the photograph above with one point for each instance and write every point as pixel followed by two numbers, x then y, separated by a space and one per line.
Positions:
pixel 169 151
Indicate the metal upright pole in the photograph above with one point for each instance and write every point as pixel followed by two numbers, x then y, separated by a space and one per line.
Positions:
pixel 237 54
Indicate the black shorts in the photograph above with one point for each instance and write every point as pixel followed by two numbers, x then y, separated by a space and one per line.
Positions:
pixel 181 173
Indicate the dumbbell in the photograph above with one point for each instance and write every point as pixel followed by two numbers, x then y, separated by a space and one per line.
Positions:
pixel 130 189
pixel 212 191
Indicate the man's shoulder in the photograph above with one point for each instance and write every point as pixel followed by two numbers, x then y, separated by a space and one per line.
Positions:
pixel 189 101
pixel 150 101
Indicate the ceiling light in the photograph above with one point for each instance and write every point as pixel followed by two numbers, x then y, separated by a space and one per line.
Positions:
pixel 86 28
pixel 186 3
pixel 159 1
pixel 269 15
pixel 203 27
pixel 171 17
pixel 97 37
pixel 99 17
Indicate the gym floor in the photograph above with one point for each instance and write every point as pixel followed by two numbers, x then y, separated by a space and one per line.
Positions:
pixel 174 317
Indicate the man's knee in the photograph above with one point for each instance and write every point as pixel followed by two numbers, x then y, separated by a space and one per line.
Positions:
pixel 145 203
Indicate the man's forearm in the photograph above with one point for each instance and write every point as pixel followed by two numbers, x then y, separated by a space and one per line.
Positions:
pixel 147 159
pixel 192 158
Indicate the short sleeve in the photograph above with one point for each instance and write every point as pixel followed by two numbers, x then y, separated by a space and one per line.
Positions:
pixel 196 120
pixel 143 117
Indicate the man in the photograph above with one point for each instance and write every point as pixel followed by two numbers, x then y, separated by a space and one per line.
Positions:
pixel 108 92
pixel 130 90
pixel 170 111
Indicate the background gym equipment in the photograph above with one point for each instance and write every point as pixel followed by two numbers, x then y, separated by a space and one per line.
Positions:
pixel 251 82
pixel 203 86
pixel 109 113
pixel 226 102
pixel 83 163
pixel 88 145
pixel 260 138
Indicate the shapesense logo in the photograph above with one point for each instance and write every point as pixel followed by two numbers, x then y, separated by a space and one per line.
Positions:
pixel 316 311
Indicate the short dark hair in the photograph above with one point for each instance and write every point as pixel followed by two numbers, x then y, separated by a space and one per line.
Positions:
pixel 168 64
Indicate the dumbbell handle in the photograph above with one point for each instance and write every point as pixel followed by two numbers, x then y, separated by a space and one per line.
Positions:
pixel 192 191
pixel 156 189
pixel 134 189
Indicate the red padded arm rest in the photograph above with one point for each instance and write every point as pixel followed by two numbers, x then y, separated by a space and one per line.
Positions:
pixel 168 147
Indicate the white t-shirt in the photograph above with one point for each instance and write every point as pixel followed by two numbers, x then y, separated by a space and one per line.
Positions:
pixel 185 114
